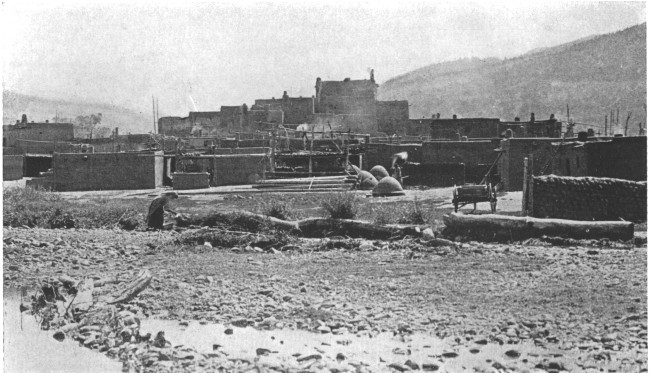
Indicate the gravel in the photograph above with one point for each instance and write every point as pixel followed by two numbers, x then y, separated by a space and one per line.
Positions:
pixel 585 307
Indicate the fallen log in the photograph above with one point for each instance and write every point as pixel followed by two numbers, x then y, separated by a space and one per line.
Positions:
pixel 498 227
pixel 324 227
pixel 134 288
pixel 311 227
pixel 240 218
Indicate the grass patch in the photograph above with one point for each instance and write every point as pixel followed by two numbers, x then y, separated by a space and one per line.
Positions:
pixel 411 213
pixel 284 210
pixel 37 207
pixel 344 205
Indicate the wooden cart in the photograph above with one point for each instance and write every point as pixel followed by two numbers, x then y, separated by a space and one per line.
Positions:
pixel 467 194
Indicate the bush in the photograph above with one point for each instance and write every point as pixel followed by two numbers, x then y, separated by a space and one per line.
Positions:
pixel 413 215
pixel 61 220
pixel 344 205
pixel 383 214
pixel 277 209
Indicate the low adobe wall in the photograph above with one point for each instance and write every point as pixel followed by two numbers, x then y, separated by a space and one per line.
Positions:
pixel 12 167
pixel 107 171
pixel 588 198
pixel 227 169
pixel 191 180
pixel 382 154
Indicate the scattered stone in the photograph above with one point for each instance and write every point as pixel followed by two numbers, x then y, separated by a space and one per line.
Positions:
pixel 514 354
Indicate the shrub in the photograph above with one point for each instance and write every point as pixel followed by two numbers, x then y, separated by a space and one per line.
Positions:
pixel 383 214
pixel 344 205
pixel 278 209
pixel 413 215
pixel 61 220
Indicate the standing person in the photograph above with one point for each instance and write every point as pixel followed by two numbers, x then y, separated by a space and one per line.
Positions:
pixel 156 215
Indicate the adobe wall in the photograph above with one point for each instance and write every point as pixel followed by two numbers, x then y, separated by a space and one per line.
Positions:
pixel 12 167
pixel 174 126
pixel 418 127
pixel 382 154
pixel 467 152
pixel 588 198
pixel 469 127
pixel 254 150
pixel 38 132
pixel 570 160
pixel 191 180
pixel 435 175
pixel 511 164
pixel 392 116
pixel 226 169
pixel 49 147
pixel 297 110
pixel 622 157
pixel 107 171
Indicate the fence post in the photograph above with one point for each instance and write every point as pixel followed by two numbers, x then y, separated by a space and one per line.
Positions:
pixel 524 196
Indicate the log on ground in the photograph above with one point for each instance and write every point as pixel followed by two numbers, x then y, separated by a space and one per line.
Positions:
pixel 324 227
pixel 499 227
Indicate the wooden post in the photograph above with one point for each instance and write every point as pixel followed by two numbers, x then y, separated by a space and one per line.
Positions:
pixel 311 149
pixel 605 125
pixel 524 196
pixel 629 115
pixel 273 151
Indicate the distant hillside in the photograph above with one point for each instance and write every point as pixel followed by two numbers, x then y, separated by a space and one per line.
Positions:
pixel 40 109
pixel 593 75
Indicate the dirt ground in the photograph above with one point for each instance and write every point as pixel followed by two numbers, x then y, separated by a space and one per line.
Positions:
pixel 536 307
pixel 581 308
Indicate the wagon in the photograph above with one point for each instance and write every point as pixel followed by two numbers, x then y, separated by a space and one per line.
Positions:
pixel 466 194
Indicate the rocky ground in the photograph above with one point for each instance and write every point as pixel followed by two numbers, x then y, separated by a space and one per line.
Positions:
pixel 580 308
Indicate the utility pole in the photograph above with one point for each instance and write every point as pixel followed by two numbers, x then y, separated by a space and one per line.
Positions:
pixel 153 104
pixel 629 115
pixel 605 125
pixel 568 117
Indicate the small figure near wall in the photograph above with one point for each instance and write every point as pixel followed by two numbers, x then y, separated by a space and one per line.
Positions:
pixel 156 215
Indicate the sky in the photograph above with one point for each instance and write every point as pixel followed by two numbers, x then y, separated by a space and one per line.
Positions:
pixel 227 53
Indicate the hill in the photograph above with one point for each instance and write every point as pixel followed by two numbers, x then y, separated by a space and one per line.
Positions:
pixel 593 75
pixel 39 109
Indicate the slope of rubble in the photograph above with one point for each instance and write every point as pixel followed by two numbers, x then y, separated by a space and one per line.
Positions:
pixel 540 307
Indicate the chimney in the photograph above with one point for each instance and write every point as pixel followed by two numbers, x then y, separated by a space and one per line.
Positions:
pixel 47 121
pixel 532 117
pixel 517 119
pixel 552 116
pixel 346 79
pixel 454 117
pixel 582 136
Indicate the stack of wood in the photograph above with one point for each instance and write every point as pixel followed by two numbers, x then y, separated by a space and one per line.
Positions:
pixel 308 184
pixel 589 198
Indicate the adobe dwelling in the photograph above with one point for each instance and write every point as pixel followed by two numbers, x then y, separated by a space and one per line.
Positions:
pixel 347 105
pixel 481 128
pixel 618 157
pixel 46 131
pixel 353 105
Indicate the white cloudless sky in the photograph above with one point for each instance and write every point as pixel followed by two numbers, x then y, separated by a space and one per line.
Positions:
pixel 227 53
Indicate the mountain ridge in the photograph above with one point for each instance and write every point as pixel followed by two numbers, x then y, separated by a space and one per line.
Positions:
pixel 593 75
